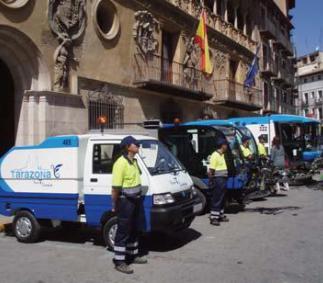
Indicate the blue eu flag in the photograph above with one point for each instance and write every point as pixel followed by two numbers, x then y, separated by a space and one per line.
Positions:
pixel 252 72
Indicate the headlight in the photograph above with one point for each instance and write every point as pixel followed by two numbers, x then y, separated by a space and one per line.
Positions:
pixel 193 193
pixel 163 199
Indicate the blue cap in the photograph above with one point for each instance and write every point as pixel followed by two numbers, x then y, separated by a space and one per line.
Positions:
pixel 129 140
pixel 245 138
pixel 221 141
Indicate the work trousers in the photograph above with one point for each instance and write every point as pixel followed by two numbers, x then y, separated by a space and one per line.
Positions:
pixel 129 225
pixel 218 186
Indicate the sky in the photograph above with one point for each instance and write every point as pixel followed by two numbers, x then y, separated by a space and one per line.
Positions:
pixel 308 22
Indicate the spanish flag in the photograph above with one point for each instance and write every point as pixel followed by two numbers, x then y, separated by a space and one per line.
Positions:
pixel 202 40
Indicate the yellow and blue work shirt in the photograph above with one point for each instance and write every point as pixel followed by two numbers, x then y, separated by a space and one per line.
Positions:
pixel 246 152
pixel 218 164
pixel 125 174
pixel 262 150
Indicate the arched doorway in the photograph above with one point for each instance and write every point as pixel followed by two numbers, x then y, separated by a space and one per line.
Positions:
pixel 22 69
pixel 7 104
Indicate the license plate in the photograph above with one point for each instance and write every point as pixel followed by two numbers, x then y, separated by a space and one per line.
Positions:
pixel 197 208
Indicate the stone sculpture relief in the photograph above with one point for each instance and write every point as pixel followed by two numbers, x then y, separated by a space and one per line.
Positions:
pixel 220 60
pixel 67 19
pixel 14 4
pixel 144 32
pixel 191 60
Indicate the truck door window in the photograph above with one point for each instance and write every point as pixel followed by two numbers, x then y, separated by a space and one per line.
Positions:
pixel 104 156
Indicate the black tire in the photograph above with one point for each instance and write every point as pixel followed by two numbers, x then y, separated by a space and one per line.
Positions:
pixel 202 197
pixel 26 227
pixel 109 227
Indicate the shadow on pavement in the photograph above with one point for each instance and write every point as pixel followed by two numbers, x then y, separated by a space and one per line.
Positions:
pixel 165 242
pixel 272 210
pixel 77 234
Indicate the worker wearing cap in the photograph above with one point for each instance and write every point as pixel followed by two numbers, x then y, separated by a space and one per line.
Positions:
pixel 261 147
pixel 246 152
pixel 127 201
pixel 218 175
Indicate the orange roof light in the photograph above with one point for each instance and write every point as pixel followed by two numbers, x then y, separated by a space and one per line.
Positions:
pixel 102 120
pixel 177 121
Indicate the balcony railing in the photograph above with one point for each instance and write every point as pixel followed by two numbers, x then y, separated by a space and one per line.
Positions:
pixel 268 29
pixel 159 72
pixel 217 23
pixel 232 91
pixel 268 66
pixel 155 68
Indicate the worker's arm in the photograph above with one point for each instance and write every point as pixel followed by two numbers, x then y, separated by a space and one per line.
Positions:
pixel 117 183
pixel 115 195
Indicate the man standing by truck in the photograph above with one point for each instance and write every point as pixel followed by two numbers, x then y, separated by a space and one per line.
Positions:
pixel 126 195
pixel 218 175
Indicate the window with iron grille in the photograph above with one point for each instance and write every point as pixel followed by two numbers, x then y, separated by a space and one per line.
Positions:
pixel 104 103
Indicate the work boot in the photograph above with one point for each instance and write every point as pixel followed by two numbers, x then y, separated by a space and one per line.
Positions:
pixel 215 222
pixel 224 218
pixel 140 260
pixel 124 268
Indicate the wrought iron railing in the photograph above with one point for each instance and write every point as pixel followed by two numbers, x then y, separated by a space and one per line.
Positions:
pixel 233 91
pixel 156 68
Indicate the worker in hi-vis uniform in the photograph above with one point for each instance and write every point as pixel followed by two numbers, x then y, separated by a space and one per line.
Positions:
pixel 246 152
pixel 261 147
pixel 218 175
pixel 126 195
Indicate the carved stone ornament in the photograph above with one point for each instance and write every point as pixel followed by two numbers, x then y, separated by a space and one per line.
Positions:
pixel 67 19
pixel 183 4
pixel 144 32
pixel 103 94
pixel 14 4
pixel 191 60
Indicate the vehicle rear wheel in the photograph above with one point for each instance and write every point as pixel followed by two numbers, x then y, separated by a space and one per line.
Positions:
pixel 26 227
pixel 109 232
pixel 202 197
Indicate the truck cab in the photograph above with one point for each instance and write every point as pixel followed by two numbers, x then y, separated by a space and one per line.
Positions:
pixel 194 142
pixel 68 179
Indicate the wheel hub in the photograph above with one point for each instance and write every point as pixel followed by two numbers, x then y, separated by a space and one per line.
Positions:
pixel 23 227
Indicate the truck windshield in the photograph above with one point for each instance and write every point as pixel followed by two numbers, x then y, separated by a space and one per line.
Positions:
pixel 157 158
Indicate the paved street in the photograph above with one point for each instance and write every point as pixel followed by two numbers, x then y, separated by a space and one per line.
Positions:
pixel 278 240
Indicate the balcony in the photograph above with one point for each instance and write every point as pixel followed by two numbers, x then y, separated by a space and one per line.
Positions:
pixel 160 75
pixel 217 24
pixel 232 94
pixel 268 30
pixel 284 43
pixel 319 101
pixel 268 67
pixel 172 78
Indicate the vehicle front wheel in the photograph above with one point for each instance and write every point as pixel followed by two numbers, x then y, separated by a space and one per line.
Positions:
pixel 202 197
pixel 109 232
pixel 26 227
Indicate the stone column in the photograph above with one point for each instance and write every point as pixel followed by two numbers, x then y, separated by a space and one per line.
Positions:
pixel 214 7
pixel 226 10
pixel 245 23
pixel 236 17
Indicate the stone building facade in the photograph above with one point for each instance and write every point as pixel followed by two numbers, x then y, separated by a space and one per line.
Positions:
pixel 65 62
pixel 309 78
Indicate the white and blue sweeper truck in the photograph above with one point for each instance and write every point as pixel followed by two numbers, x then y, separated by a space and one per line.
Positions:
pixel 68 179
